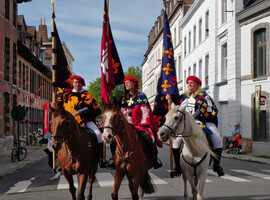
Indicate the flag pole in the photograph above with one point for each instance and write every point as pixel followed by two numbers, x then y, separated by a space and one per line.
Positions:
pixel 53 71
pixel 169 107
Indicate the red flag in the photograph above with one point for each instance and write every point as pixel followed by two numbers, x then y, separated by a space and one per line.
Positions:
pixel 111 68
pixel 45 119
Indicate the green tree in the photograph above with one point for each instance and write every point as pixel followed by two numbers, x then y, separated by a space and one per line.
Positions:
pixel 95 86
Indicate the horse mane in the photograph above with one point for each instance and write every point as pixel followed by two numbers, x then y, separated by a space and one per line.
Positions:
pixel 61 111
pixel 198 140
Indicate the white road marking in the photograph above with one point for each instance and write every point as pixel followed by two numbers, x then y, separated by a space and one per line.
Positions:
pixel 255 174
pixel 63 184
pixel 20 186
pixel 228 177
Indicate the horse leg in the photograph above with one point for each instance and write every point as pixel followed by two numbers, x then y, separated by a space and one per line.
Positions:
pixel 91 181
pixel 70 181
pixel 193 183
pixel 185 186
pixel 118 178
pixel 201 184
pixel 82 179
pixel 133 183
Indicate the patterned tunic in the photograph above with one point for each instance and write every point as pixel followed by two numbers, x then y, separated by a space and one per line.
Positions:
pixel 75 101
pixel 207 108
pixel 141 116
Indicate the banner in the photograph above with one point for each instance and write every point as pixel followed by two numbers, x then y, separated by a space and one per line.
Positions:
pixel 257 108
pixel 46 118
pixel 167 82
pixel 111 68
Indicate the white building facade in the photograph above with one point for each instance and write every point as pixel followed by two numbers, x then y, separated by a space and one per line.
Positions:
pixel 211 51
pixel 254 21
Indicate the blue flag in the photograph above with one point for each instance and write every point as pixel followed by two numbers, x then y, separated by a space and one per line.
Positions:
pixel 167 82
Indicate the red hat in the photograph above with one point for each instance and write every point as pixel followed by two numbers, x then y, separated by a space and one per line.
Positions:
pixel 131 78
pixel 195 79
pixel 79 78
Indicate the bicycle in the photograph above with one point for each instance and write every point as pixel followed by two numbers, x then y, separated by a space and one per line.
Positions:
pixel 18 153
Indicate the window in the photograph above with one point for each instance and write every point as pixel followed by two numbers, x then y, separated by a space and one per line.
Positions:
pixel 185 77
pixel 179 69
pixel 7 9
pixel 223 11
pixel 23 75
pixel 206 72
pixel 14 13
pixel 200 31
pixel 194 69
pixel 259 53
pixel 189 42
pixel 200 69
pixel 179 34
pixel 189 71
pixel 7 58
pixel 6 113
pixel 185 46
pixel 206 23
pixel 224 62
pixel 14 69
pixel 174 37
pixel 194 37
pixel 20 74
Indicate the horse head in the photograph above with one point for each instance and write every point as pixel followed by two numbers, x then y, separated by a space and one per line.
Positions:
pixel 60 126
pixel 111 123
pixel 174 123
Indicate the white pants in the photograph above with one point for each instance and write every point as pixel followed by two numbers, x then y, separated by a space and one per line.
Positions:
pixel 93 126
pixel 215 138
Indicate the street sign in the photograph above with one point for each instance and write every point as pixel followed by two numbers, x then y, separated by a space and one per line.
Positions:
pixel 18 113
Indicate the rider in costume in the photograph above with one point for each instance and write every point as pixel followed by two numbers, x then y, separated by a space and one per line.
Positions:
pixel 136 108
pixel 202 107
pixel 82 105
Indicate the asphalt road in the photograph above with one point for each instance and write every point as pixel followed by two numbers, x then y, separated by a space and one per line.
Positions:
pixel 243 181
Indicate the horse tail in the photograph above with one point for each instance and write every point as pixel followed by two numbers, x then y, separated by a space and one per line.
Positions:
pixel 148 186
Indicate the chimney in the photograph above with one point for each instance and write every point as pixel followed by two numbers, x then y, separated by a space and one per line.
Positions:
pixel 42 29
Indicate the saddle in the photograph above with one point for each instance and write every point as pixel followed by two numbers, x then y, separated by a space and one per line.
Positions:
pixel 92 136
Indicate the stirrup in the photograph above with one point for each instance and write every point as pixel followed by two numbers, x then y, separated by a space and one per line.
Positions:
pixel 157 163
pixel 177 171
pixel 110 164
pixel 102 164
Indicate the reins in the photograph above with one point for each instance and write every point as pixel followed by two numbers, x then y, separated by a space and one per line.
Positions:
pixel 120 151
pixel 195 165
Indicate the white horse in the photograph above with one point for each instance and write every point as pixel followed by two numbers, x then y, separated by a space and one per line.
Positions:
pixel 195 155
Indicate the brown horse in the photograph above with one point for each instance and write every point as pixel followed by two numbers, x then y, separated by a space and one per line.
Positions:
pixel 76 152
pixel 129 158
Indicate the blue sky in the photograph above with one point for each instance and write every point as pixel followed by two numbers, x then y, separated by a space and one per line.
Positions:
pixel 79 24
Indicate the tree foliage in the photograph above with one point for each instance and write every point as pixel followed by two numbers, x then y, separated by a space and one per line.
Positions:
pixel 20 1
pixel 94 87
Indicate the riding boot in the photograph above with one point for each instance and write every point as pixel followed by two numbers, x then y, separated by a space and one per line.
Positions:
pixel 216 166
pixel 100 152
pixel 110 163
pixel 156 161
pixel 176 156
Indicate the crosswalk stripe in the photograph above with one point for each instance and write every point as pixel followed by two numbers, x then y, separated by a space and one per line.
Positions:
pixel 21 186
pixel 266 170
pixel 105 179
pixel 157 180
pixel 258 175
pixel 207 180
pixel 63 184
pixel 228 177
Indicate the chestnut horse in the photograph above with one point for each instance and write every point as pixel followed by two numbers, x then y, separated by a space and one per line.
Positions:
pixel 129 158
pixel 76 152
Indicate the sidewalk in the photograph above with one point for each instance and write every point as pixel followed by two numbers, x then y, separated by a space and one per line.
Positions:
pixel 36 153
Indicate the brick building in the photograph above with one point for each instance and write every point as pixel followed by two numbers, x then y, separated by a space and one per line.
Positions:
pixel 24 68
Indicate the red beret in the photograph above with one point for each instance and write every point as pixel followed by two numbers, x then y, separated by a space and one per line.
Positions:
pixel 131 78
pixel 79 78
pixel 195 79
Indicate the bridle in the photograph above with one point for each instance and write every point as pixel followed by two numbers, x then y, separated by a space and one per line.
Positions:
pixel 172 131
pixel 115 130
